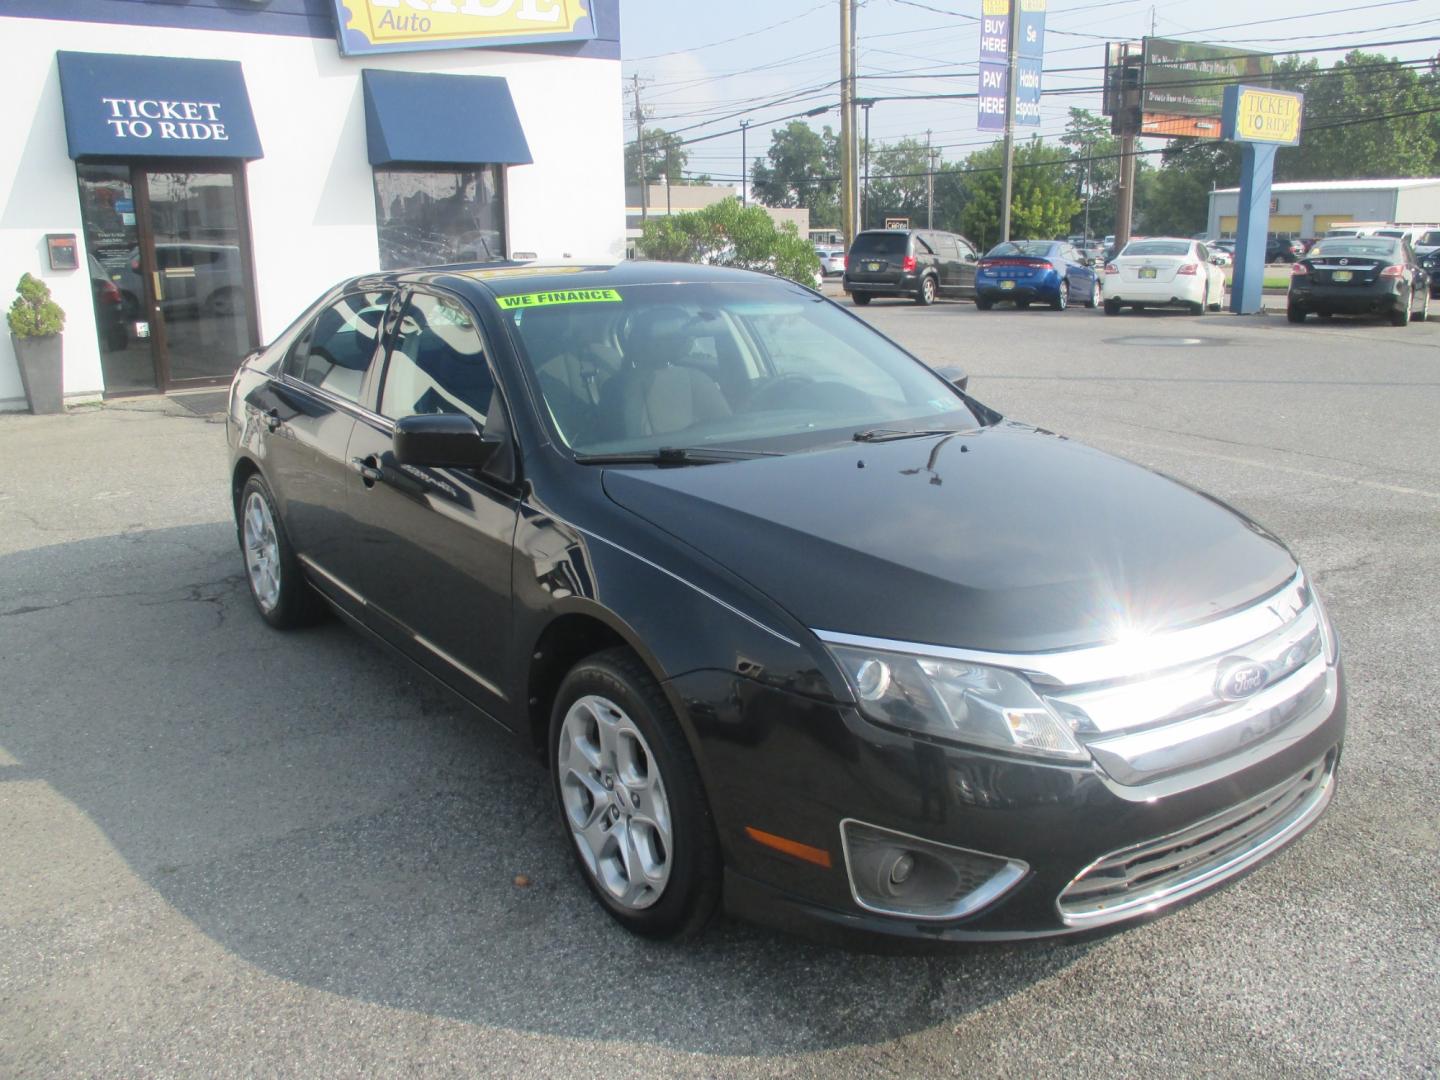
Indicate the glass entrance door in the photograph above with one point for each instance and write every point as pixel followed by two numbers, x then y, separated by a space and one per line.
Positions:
pixel 170 270
pixel 202 319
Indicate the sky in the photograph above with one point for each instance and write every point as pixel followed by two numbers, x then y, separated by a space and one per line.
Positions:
pixel 701 62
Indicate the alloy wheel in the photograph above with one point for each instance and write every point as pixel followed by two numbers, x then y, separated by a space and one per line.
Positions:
pixel 262 552
pixel 615 802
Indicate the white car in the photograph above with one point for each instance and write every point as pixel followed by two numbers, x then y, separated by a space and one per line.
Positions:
pixel 1162 271
pixel 832 261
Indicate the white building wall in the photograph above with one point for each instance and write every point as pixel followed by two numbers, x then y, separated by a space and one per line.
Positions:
pixel 312 198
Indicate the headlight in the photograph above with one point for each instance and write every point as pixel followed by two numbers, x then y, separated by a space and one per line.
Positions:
pixel 1328 641
pixel 954 699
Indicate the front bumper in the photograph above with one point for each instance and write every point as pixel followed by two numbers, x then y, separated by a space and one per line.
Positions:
pixel 796 767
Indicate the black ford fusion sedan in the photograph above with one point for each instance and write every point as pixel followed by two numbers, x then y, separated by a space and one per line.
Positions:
pixel 1360 275
pixel 796 624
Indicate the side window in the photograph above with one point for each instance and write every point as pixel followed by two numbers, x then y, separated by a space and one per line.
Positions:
pixel 967 253
pixel 1203 252
pixel 335 350
pixel 437 362
pixel 945 246
pixel 922 247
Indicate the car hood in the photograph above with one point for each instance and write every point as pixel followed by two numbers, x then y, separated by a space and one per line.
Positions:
pixel 1007 539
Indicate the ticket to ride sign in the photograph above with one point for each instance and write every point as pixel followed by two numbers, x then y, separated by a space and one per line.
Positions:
pixel 1256 114
pixel 377 26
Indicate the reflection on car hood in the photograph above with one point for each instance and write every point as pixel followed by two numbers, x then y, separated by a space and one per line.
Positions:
pixel 1008 539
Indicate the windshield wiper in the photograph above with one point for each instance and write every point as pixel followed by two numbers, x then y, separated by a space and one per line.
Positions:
pixel 881 434
pixel 675 455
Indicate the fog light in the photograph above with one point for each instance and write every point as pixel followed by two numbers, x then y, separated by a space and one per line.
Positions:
pixel 893 873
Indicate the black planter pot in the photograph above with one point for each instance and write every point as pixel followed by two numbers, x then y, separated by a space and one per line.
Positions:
pixel 41 372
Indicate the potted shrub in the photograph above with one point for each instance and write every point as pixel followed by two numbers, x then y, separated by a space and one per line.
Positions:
pixel 35 325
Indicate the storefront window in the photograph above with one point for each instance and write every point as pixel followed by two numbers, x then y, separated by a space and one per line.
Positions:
pixel 427 218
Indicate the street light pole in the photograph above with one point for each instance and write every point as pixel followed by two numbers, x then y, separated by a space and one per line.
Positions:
pixel 847 134
pixel 865 104
pixel 1010 66
pixel 744 166
pixel 665 176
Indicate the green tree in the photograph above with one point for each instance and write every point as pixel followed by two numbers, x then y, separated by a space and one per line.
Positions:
pixel 1088 137
pixel 34 313
pixel 1175 199
pixel 725 234
pixel 1043 199
pixel 664 156
pixel 801 168
pixel 897 183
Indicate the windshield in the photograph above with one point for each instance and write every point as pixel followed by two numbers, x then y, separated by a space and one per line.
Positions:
pixel 1430 239
pixel 754 366
pixel 1022 247
pixel 880 243
pixel 1157 247
pixel 1375 247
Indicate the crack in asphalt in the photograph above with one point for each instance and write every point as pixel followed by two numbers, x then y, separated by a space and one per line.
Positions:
pixel 193 593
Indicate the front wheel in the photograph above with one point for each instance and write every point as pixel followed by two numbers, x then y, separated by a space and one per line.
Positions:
pixel 630 797
pixel 1062 298
pixel 277 584
pixel 860 299
pixel 925 295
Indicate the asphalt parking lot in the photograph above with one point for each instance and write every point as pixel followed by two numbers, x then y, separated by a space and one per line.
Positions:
pixel 227 851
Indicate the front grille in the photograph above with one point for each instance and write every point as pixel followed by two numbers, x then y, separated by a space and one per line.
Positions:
pixel 1151 875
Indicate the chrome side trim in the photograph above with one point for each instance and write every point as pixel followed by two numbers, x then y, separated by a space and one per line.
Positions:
pixel 1158 899
pixel 1007 877
pixel 458 666
pixel 1118 660
pixel 315 568
pixel 671 574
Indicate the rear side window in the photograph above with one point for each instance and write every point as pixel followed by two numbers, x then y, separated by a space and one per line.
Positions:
pixel 335 350
pixel 880 243
pixel 437 363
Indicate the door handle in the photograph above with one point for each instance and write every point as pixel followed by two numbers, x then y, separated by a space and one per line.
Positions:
pixel 272 420
pixel 369 469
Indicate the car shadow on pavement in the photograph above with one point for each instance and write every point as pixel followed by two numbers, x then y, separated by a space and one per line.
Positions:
pixel 324 812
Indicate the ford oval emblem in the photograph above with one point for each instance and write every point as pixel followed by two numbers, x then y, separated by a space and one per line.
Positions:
pixel 1240 678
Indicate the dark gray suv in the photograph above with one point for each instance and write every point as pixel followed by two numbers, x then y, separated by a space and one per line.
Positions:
pixel 920 264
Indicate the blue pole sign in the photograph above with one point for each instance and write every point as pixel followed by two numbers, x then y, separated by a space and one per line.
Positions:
pixel 1261 120
pixel 1030 49
pixel 994 56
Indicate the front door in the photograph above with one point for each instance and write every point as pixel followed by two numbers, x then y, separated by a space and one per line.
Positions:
pixel 179 308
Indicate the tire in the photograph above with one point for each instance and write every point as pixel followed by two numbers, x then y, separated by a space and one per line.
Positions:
pixel 1112 307
pixel 859 299
pixel 982 304
pixel 1401 315
pixel 277 584
pixel 1424 315
pixel 1062 298
pixel 1324 315
pixel 612 724
pixel 1095 297
pixel 1203 305
pixel 1023 305
pixel 925 294
pixel 1294 314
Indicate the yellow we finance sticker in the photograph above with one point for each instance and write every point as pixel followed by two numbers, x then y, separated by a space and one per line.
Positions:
pixel 561 296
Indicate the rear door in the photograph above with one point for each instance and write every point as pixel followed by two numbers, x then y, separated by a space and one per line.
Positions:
pixel 437 543
pixel 948 257
pixel 969 261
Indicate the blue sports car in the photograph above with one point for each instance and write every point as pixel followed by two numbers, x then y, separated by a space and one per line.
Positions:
pixel 1026 271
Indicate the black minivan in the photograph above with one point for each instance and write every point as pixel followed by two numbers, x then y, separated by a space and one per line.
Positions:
pixel 917 263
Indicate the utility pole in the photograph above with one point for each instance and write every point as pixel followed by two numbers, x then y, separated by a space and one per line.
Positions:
pixel 1010 79
pixel 1089 153
pixel 640 154
pixel 744 166
pixel 929 183
pixel 847 133
pixel 1128 123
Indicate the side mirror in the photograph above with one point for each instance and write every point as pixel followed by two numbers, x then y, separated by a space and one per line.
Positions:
pixel 957 377
pixel 443 440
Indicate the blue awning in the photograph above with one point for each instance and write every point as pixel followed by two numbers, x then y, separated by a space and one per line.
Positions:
pixel 415 119
pixel 156 107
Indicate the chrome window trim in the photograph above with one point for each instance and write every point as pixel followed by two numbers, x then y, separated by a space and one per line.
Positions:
pixel 1103 663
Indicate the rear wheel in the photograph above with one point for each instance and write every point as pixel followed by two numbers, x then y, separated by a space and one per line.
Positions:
pixel 1203 305
pixel 1324 315
pixel 1401 315
pixel 1062 298
pixel 925 295
pixel 1095 298
pixel 1112 307
pixel 1424 314
pixel 1022 304
pixel 981 304
pixel 631 799
pixel 860 299
pixel 1294 313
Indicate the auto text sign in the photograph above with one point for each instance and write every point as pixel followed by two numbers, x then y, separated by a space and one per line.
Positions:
pixel 1256 114
pixel 994 54
pixel 377 26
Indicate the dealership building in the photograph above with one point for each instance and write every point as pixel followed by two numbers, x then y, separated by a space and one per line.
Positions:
pixel 187 177
pixel 1308 208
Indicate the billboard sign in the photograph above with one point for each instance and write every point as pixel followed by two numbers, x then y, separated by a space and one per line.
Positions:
pixel 1257 114
pixel 365 27
pixel 994 55
pixel 1186 78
